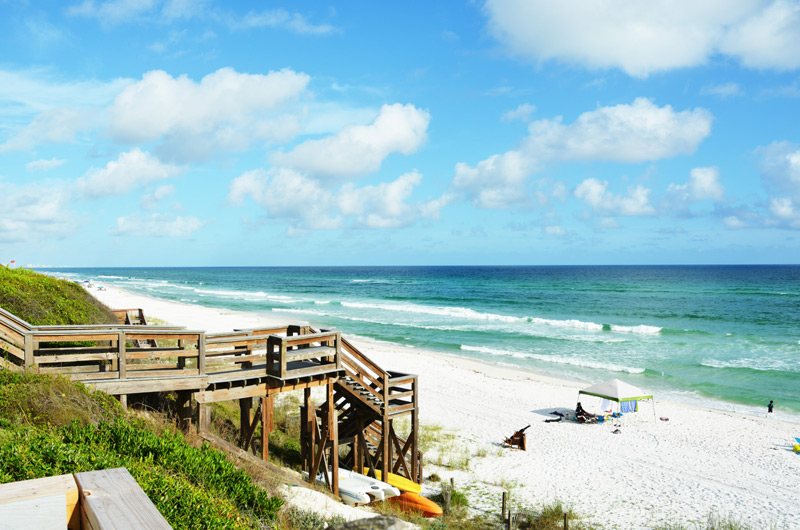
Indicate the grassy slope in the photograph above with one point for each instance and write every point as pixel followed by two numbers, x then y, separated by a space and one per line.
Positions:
pixel 43 300
pixel 51 426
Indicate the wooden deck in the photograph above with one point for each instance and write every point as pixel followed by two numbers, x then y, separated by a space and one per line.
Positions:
pixel 134 358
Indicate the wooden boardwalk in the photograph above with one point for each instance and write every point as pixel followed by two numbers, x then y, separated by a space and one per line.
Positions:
pixel 131 357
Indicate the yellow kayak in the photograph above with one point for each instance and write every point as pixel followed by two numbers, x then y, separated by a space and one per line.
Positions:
pixel 401 483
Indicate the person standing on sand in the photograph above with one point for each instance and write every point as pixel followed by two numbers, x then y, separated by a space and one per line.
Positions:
pixel 770 406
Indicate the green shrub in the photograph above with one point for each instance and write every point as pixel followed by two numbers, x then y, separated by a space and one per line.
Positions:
pixel 192 487
pixel 43 300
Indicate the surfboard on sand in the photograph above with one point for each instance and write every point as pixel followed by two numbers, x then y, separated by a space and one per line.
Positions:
pixel 355 488
pixel 411 502
pixel 401 483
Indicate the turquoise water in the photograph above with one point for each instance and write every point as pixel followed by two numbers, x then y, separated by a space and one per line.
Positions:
pixel 728 336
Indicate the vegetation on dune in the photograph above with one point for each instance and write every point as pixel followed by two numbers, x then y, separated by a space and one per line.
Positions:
pixel 77 430
pixel 42 300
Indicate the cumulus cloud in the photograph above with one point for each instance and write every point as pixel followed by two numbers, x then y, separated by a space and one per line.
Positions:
pixel 157 225
pixel 786 212
pixel 769 38
pixel 131 170
pixel 151 200
pixel 780 167
pixel 34 211
pixel 360 149
pixel 497 182
pixel 44 165
pixel 227 107
pixel 644 38
pixel 595 194
pixel 703 184
pixel 287 194
pixel 639 132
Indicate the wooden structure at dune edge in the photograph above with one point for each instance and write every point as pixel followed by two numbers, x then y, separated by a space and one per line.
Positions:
pixel 132 358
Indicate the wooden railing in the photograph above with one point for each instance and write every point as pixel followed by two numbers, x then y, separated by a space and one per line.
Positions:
pixel 322 349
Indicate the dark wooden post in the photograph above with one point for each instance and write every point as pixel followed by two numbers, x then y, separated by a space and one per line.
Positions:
pixel 266 424
pixel 185 409
pixel 310 422
pixel 245 419
pixel 333 436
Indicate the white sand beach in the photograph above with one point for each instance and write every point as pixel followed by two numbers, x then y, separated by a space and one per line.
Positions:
pixel 651 472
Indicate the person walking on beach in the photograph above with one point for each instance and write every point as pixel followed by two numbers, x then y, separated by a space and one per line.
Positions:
pixel 770 406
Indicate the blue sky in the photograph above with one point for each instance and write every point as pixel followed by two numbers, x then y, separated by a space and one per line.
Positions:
pixel 181 133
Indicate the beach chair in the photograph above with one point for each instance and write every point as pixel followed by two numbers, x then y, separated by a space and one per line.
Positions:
pixel 516 440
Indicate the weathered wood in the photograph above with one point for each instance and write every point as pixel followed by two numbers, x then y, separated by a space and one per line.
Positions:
pixel 313 352
pixel 267 420
pixel 28 350
pixel 158 353
pixel 73 358
pixel 184 410
pixel 144 386
pixel 121 355
pixel 201 354
pixel 333 436
pixel 111 499
pixel 32 503
pixel 73 335
pixel 13 351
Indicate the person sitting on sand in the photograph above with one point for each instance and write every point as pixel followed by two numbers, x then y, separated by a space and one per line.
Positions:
pixel 581 415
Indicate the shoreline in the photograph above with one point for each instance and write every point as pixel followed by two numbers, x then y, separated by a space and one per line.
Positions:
pixel 701 461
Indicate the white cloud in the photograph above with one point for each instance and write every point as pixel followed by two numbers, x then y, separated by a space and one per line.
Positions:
pixel 150 201
pixel 595 194
pixel 786 212
pixel 703 184
pixel 158 225
pixel 53 126
pixel 131 170
pixel 280 18
pixel 161 105
pixel 286 194
pixel 35 211
pixel 44 165
pixel 780 167
pixel 723 90
pixel 734 222
pixel 642 38
pixel 497 182
pixel 112 12
pixel 555 230
pixel 522 112
pixel 361 149
pixel 770 38
pixel 639 132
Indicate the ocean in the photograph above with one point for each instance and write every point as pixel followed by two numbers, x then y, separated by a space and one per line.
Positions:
pixel 721 336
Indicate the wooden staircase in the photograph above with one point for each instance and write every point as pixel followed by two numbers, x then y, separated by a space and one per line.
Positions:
pixel 367 401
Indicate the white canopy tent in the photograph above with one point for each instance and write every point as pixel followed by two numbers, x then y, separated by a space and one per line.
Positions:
pixel 619 392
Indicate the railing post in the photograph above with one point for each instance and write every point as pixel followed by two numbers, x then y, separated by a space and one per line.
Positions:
pixel 416 472
pixel 121 355
pixel 201 353
pixel 28 343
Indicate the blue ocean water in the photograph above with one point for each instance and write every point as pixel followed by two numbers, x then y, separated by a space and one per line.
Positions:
pixel 726 336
